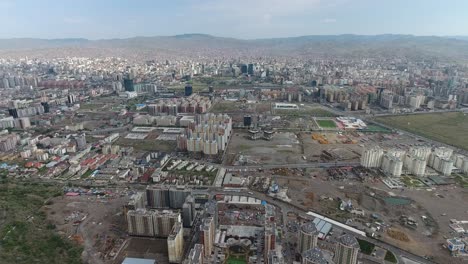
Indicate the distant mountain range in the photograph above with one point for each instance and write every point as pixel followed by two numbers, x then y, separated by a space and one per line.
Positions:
pixel 447 48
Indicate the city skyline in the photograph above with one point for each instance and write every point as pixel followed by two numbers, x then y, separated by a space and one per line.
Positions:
pixel 240 19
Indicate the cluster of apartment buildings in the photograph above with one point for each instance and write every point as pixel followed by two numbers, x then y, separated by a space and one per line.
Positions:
pixel 194 104
pixel 346 249
pixel 414 161
pixel 208 134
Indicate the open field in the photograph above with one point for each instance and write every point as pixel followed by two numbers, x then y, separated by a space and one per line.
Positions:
pixel 282 149
pixel 450 128
pixel 147 144
pixel 226 107
pixel 26 235
pixel 288 147
pixel 239 107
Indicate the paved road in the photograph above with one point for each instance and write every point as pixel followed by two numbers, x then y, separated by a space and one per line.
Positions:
pixel 293 165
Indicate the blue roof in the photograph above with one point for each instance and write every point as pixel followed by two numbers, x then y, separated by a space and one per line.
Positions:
pixel 322 226
pixel 138 261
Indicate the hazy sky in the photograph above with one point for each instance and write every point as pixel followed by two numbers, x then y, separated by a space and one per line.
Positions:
pixel 230 18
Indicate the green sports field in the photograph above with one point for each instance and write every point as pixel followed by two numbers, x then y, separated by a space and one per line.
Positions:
pixel 326 123
pixel 450 128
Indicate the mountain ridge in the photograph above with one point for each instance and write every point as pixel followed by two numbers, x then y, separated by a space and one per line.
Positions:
pixel 197 44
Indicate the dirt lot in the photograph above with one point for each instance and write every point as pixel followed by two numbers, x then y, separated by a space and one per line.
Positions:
pixel 345 152
pixel 282 149
pixel 288 147
pixel 314 191
pixel 136 247
pixel 98 224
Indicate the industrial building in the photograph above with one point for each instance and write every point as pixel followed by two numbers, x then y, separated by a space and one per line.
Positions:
pixel 175 244
pixel 286 106
pixel 347 250
pixel 313 256
pixel 308 236
pixel 323 227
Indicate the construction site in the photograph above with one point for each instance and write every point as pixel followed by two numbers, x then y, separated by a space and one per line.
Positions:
pixel 93 221
pixel 289 147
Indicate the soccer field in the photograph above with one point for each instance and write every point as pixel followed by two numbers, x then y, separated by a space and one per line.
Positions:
pixel 450 128
pixel 326 123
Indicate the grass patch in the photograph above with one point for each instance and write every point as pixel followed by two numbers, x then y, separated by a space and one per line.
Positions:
pixel 225 106
pixel 366 247
pixel 326 123
pixel 147 144
pixel 390 257
pixel 26 236
pixel 87 174
pixel 376 129
pixel 461 180
pixel 243 147
pixel 410 182
pixel 450 128
pixel 236 260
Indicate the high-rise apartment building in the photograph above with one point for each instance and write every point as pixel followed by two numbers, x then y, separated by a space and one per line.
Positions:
pixel 347 250
pixel 175 243
pixel 308 236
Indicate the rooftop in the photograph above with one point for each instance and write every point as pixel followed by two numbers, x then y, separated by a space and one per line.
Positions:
pixel 314 255
pixel 309 228
pixel 349 240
